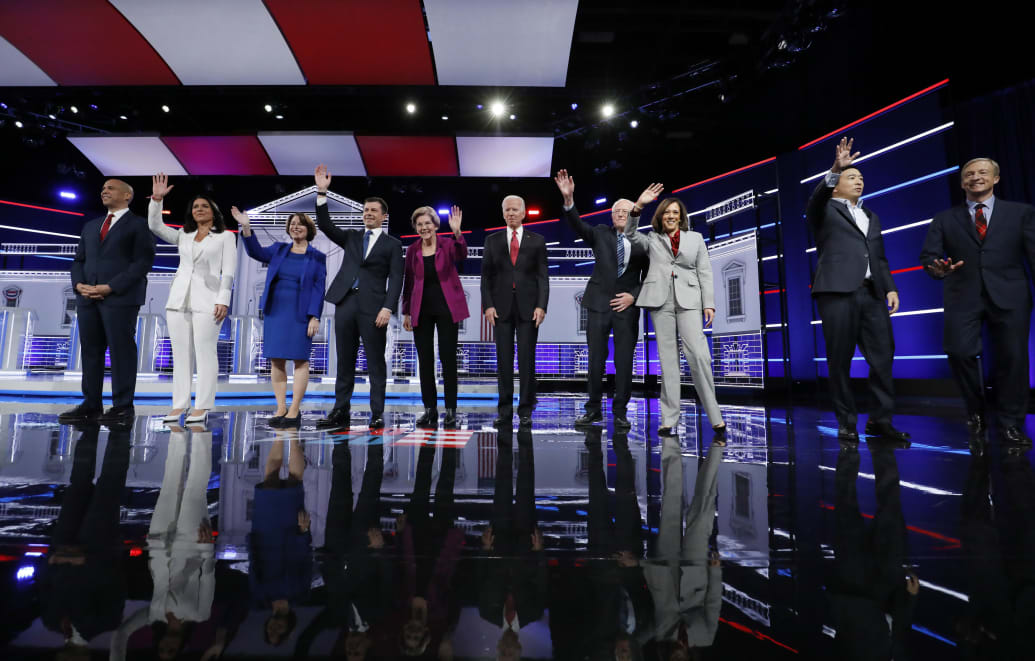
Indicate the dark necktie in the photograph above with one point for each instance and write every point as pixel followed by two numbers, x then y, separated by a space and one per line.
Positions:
pixel 510 610
pixel 513 247
pixel 980 222
pixel 106 226
pixel 366 244
pixel 621 255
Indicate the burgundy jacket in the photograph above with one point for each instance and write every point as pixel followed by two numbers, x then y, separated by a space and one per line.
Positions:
pixel 449 251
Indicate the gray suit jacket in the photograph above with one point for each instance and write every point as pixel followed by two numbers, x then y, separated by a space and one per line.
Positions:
pixel 690 270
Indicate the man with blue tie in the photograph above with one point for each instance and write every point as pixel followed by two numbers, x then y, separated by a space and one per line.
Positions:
pixel 979 249
pixel 365 294
pixel 619 268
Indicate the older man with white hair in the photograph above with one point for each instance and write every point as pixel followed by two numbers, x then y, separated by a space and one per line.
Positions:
pixel 515 290
pixel 609 299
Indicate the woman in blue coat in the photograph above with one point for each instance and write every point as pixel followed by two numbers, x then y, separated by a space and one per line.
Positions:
pixel 291 305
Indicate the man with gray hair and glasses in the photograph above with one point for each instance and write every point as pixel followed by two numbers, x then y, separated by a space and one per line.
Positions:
pixel 979 249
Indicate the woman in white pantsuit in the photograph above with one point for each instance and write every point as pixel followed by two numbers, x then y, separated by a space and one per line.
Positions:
pixel 677 289
pixel 199 298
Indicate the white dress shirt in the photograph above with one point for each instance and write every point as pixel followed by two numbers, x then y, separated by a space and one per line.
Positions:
pixel 862 221
pixel 322 199
pixel 122 212
pixel 520 233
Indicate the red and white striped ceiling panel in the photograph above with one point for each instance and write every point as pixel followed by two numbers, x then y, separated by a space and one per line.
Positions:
pixel 357 42
pixel 231 42
pixel 297 153
pixel 221 155
pixel 82 42
pixel 16 70
pixel 408 156
pixel 128 156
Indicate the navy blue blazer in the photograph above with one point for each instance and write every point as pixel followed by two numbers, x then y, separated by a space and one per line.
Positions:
pixel 122 261
pixel 314 274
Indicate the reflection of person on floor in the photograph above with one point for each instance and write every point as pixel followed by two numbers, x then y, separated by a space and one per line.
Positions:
pixel 83 584
pixel 871 595
pixel 229 610
pixel 997 531
pixel 430 551
pixel 355 568
pixel 512 577
pixel 610 613
pixel 684 577
pixel 181 552
pixel 280 544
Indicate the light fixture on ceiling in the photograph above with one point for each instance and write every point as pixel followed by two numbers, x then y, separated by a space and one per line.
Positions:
pixel 634 123
pixel 497 108
pixel 165 108
pixel 75 111
pixel 268 108
pixel 411 108
pixel 445 117
pixel 607 110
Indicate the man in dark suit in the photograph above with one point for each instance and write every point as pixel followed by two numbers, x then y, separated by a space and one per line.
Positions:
pixel 979 249
pixel 365 294
pixel 109 274
pixel 851 286
pixel 515 290
pixel 609 299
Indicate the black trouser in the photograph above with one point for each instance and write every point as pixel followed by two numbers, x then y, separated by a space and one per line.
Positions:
pixel 624 532
pixel 625 325
pixel 350 326
pixel 1008 332
pixel 527 336
pixel 89 513
pixel 424 339
pixel 861 319
pixel 110 327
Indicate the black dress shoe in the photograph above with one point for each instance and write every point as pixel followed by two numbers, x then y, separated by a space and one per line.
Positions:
pixel 1015 436
pixel 666 431
pixel 976 423
pixel 588 418
pixel 275 421
pixel 285 422
pixel 847 434
pixel 525 421
pixel 118 416
pixel 622 423
pixel 449 421
pixel 377 422
pixel 339 417
pixel 429 420
pixel 885 430
pixel 79 414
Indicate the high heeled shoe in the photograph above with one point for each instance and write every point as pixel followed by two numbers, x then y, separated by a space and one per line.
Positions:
pixel 196 419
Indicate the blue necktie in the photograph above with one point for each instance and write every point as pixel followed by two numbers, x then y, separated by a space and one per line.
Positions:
pixel 621 254
pixel 366 244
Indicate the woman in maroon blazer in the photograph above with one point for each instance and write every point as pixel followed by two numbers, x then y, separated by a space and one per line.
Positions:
pixel 433 297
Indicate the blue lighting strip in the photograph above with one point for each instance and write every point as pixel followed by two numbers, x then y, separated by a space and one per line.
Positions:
pixel 926 177
pixel 917 357
pixel 584 263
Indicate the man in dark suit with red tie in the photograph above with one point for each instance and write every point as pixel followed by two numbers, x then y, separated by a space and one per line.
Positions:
pixel 109 274
pixel 979 249
pixel 515 290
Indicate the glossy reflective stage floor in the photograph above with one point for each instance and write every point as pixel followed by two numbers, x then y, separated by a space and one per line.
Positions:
pixel 548 543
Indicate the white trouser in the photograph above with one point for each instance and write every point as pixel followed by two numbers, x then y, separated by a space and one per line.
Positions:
pixel 667 319
pixel 193 336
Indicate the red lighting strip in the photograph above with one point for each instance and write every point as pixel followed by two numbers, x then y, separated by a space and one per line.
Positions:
pixel 756 634
pixel 878 112
pixel 726 174
pixel 33 206
pixel 953 542
pixel 414 236
pixel 911 268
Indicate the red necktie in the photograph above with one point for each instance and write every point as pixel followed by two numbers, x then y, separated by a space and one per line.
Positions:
pixel 980 224
pixel 509 609
pixel 106 226
pixel 513 247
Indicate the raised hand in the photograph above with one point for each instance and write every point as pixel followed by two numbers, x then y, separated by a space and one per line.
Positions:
pixel 565 184
pixel 323 178
pixel 941 268
pixel 455 217
pixel 160 186
pixel 649 194
pixel 843 155
pixel 240 216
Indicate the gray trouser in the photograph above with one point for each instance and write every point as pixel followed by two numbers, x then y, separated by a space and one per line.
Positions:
pixel 666 320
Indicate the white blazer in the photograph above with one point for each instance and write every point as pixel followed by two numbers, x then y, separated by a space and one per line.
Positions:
pixel 206 273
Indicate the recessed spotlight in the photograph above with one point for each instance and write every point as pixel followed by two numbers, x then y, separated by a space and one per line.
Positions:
pixel 633 124
pixel 123 117
pixel 18 124
pixel 73 109
pixel 513 116
pixel 268 108
pixel 479 106
pixel 278 116
pixel 607 110
pixel 445 117
pixel 52 116
pixel 497 108
pixel 165 108
pixel 411 108
pixel 574 106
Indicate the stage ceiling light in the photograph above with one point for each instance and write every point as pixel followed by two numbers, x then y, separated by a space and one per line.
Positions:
pixel 268 108
pixel 411 108
pixel 634 124
pixel 607 110
pixel 165 108
pixel 497 108
pixel 75 111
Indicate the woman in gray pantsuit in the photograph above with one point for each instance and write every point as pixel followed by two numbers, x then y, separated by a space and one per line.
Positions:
pixel 677 289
